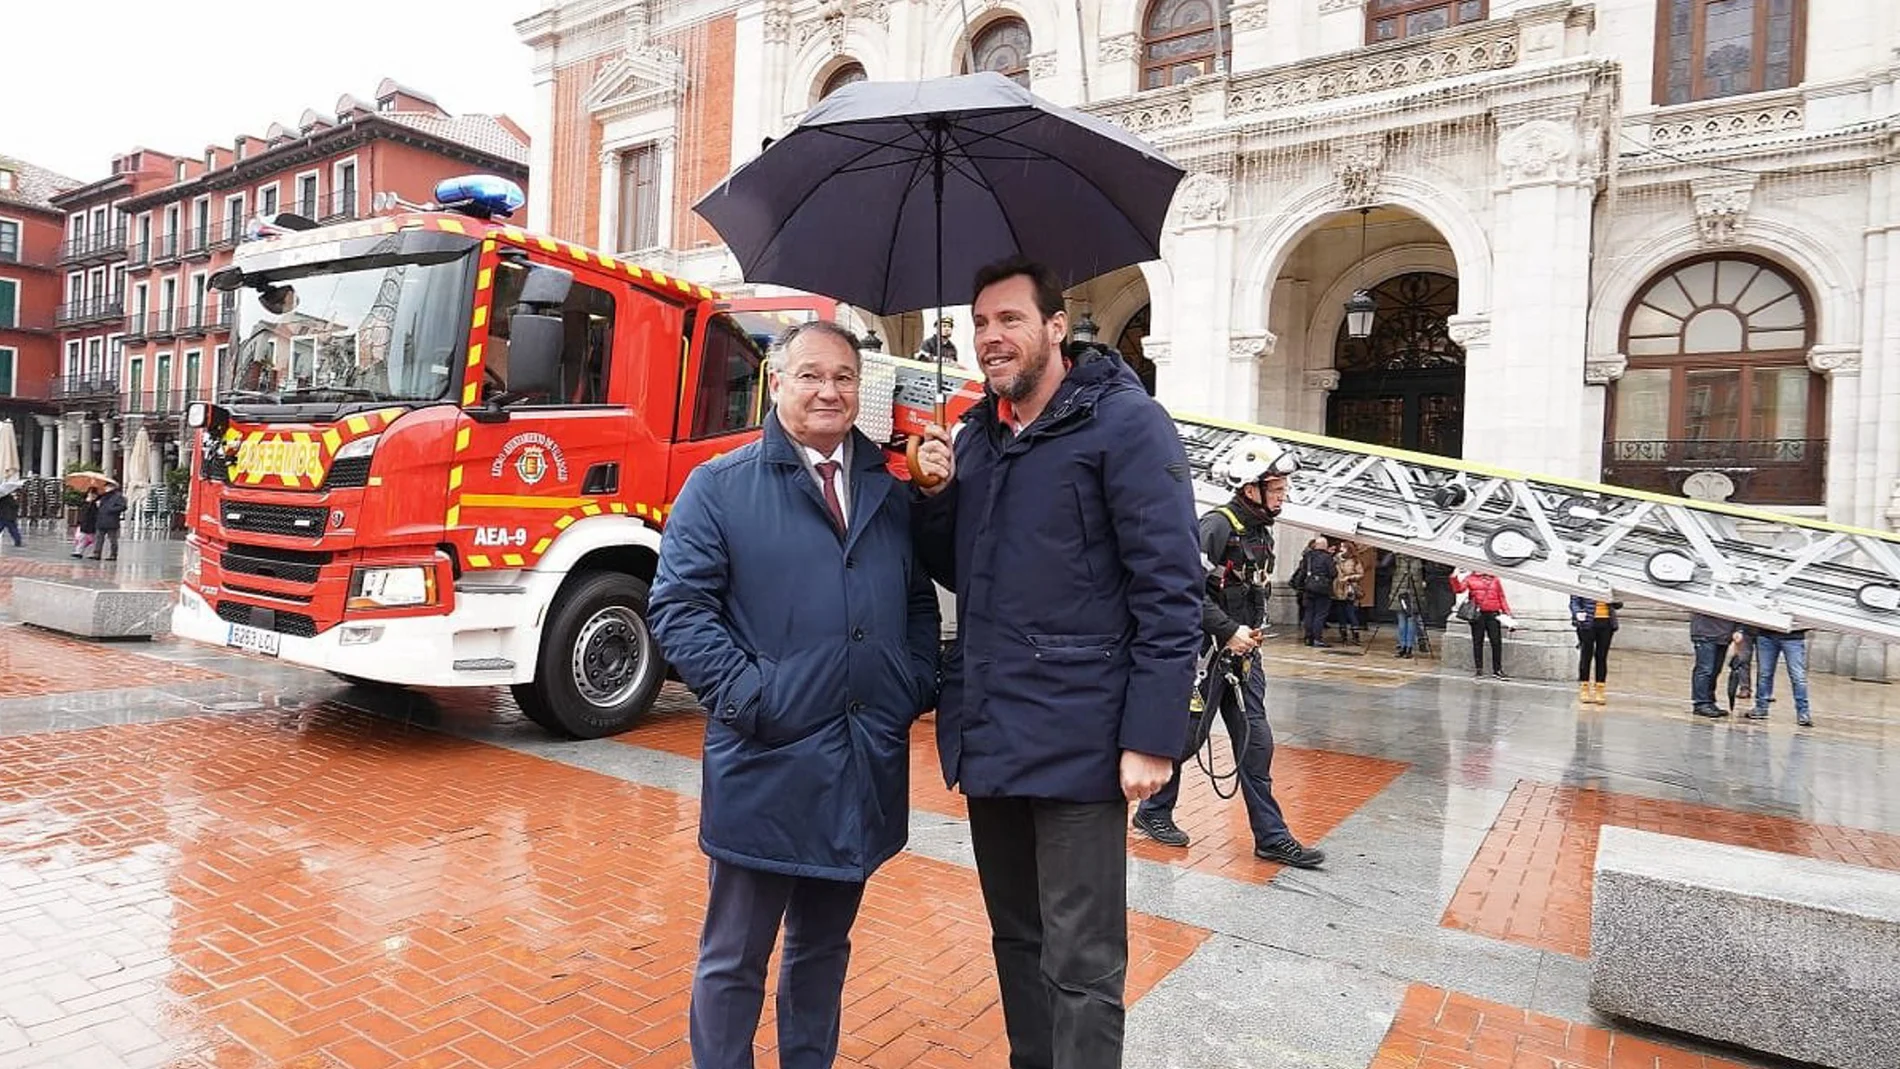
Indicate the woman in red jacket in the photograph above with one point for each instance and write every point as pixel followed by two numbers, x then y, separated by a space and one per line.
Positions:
pixel 1487 596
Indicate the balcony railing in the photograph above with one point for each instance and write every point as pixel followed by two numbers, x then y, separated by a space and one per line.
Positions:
pixel 203 318
pixel 164 248
pixel 85 387
pixel 340 206
pixel 102 246
pixel 1774 471
pixel 90 310
pixel 29 324
pixel 138 253
pixel 158 402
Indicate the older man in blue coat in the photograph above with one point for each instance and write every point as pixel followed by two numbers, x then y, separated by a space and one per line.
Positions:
pixel 1064 520
pixel 789 600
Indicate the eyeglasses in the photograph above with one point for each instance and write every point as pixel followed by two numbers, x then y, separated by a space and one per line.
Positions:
pixel 811 382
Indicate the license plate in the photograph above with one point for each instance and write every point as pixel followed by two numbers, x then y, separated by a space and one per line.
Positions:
pixel 255 639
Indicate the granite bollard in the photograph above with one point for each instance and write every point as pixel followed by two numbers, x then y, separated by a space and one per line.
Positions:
pixel 1772 952
pixel 92 608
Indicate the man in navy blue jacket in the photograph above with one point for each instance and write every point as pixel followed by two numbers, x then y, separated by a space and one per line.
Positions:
pixel 789 599
pixel 1065 524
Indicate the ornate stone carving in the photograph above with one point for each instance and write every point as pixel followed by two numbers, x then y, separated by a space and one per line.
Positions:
pixel 835 18
pixel 1454 53
pixel 1202 196
pixel 1326 6
pixel 1323 379
pixel 1721 205
pixel 1721 121
pixel 1538 151
pixel 1117 49
pixel 1708 486
pixel 1834 360
pixel 1245 347
pixel 1469 330
pixel 1042 65
pixel 1155 350
pixel 778 24
pixel 1357 166
pixel 1605 369
pixel 1244 17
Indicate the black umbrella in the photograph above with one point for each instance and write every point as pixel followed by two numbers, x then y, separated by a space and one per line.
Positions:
pixel 853 203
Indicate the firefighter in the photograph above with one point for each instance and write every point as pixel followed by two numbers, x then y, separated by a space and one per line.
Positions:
pixel 1237 544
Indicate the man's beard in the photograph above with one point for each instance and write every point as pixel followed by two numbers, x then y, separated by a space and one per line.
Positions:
pixel 1025 382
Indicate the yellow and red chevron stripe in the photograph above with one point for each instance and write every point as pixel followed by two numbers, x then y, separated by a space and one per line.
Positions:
pixel 298 460
pixel 653 516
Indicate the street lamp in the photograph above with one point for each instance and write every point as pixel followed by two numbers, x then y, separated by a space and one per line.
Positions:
pixel 1360 307
pixel 1083 330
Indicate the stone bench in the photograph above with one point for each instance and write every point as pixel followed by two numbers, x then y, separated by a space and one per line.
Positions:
pixel 92 608
pixel 1771 952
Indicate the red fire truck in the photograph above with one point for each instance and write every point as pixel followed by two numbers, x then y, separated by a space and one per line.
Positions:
pixel 444 449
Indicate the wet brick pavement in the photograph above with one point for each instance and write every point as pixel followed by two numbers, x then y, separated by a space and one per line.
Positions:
pixel 212 859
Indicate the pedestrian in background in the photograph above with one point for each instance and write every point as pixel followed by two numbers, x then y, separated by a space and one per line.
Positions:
pixel 1348 575
pixel 1491 611
pixel 1710 636
pixel 1595 622
pixel 111 514
pixel 1789 646
pixel 1314 580
pixel 86 531
pixel 10 517
pixel 1408 601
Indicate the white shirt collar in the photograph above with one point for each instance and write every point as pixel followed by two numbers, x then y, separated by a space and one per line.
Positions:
pixel 814 457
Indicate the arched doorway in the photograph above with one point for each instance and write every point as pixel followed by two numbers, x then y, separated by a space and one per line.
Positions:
pixel 1128 343
pixel 1403 386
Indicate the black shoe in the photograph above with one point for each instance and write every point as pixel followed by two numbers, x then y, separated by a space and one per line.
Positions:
pixel 1290 852
pixel 1477 673
pixel 1713 712
pixel 1160 829
pixel 1322 644
pixel 1756 714
pixel 1499 673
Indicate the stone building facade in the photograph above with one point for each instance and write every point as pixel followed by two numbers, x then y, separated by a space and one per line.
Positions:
pixel 1650 241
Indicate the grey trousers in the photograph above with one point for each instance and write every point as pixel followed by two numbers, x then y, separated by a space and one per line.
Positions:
pixel 1055 884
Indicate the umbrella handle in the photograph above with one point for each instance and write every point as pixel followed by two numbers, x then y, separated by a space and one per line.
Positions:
pixel 917 473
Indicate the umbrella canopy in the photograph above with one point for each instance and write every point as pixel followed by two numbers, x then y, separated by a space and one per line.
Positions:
pixel 89 480
pixel 890 195
pixel 138 464
pixel 9 451
pixel 8 486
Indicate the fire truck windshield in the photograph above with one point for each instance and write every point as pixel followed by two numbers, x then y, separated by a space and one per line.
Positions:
pixel 371 329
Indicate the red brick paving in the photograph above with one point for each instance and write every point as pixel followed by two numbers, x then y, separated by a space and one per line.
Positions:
pixel 341 890
pixel 1317 790
pixel 1530 882
pixel 34 663
pixel 1437 1029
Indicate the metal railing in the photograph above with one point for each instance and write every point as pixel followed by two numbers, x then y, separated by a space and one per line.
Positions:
pixel 85 387
pixel 164 248
pixel 90 310
pixel 138 253
pixel 1769 471
pixel 106 244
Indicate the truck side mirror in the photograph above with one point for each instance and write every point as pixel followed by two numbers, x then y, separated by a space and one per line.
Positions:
pixel 545 286
pixel 535 343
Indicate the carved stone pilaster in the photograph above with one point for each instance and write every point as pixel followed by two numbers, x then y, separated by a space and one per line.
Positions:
pixel 778 24
pixel 1042 66
pixel 1117 49
pixel 1834 361
pixel 1605 369
pixel 1537 152
pixel 1242 348
pixel 1721 205
pixel 1324 379
pixel 1469 330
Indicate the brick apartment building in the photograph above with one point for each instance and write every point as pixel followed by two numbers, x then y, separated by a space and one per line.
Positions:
pixel 142 332
pixel 29 294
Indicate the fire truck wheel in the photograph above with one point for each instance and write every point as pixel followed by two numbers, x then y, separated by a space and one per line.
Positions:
pixel 600 666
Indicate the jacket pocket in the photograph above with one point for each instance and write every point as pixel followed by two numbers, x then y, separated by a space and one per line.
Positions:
pixel 1074 649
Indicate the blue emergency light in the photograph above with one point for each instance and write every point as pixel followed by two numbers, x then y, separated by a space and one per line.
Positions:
pixel 481 195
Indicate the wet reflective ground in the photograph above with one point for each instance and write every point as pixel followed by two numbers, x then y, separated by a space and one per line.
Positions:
pixel 214 859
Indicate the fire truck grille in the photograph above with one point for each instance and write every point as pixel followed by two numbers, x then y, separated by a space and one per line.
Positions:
pixel 347 473
pixel 295 521
pixel 295 624
pixel 294 565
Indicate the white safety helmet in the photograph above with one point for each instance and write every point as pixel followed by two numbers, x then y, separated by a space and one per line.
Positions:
pixel 1254 459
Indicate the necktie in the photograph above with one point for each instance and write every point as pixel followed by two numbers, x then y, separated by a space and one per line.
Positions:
pixel 826 470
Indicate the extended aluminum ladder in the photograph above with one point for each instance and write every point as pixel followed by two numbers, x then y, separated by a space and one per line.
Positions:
pixel 1606 542
pixel 1583 538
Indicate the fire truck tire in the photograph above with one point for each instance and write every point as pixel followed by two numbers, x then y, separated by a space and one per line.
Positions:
pixel 600 666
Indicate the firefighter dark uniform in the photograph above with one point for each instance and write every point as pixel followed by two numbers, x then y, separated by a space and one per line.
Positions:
pixel 1237 540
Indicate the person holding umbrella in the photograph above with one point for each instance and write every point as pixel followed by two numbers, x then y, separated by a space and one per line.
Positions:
pixel 10 510
pixel 112 507
pixel 1064 520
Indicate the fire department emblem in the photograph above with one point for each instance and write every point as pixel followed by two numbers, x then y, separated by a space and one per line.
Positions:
pixel 532 464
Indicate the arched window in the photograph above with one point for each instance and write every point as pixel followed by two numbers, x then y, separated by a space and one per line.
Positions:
pixel 1409 331
pixel 1003 47
pixel 1718 378
pixel 1180 41
pixel 843 76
